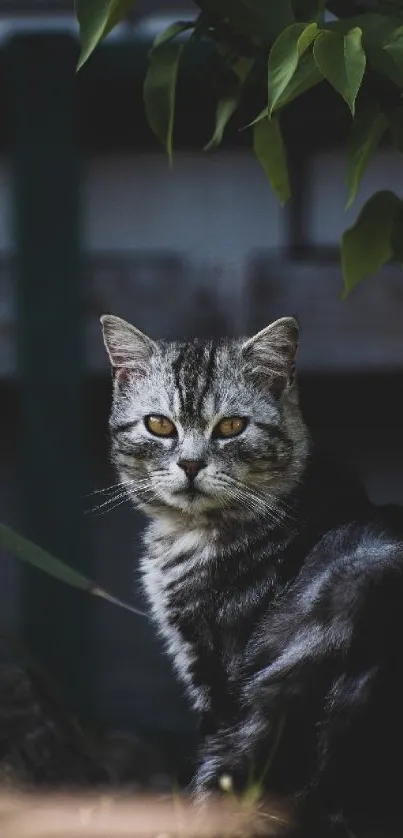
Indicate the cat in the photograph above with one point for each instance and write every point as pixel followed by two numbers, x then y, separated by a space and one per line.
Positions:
pixel 276 586
pixel 42 747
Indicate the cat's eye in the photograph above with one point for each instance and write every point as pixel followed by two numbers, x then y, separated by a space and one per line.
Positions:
pixel 160 425
pixel 230 426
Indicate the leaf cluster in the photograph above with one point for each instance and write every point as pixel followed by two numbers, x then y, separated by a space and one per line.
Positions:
pixel 295 45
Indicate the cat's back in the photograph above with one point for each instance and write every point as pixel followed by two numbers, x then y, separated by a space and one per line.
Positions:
pixel 352 561
pixel 347 600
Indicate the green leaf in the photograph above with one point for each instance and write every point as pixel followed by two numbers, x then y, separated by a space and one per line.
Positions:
pixel 305 77
pixel 365 136
pixel 225 109
pixel 341 60
pixel 227 105
pixel 377 30
pixel 308 34
pixel 29 552
pixel 366 246
pixel 269 149
pixel 159 91
pixel 171 32
pixel 284 57
pixel 264 114
pixel 96 18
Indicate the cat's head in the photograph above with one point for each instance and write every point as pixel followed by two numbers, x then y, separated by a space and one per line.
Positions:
pixel 206 427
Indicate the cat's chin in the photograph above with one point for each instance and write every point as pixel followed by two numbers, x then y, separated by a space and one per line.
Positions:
pixel 200 506
pixel 192 502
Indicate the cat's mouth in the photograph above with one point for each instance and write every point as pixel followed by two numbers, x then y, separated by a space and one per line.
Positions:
pixel 190 493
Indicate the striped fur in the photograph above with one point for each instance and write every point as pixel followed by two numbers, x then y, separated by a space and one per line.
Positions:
pixel 263 571
pixel 195 385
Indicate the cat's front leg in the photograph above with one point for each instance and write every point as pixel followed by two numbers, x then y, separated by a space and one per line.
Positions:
pixel 218 761
pixel 229 758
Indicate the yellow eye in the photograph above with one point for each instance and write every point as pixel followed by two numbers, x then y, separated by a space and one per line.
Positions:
pixel 160 426
pixel 230 426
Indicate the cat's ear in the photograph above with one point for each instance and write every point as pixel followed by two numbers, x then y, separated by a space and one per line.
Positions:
pixel 270 354
pixel 129 349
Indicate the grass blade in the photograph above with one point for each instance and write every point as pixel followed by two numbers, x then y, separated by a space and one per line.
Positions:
pixel 29 552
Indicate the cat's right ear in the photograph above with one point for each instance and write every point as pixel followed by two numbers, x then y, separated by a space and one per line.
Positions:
pixel 129 350
pixel 270 355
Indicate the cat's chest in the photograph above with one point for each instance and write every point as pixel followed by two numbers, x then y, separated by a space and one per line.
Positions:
pixel 177 572
pixel 202 609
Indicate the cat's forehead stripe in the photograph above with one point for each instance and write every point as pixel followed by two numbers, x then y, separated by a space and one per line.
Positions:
pixel 193 369
pixel 209 375
pixel 176 368
pixel 193 376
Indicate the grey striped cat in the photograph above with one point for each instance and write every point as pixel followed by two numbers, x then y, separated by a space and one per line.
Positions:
pixel 276 587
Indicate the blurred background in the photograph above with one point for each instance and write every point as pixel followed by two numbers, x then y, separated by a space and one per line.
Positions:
pixel 93 220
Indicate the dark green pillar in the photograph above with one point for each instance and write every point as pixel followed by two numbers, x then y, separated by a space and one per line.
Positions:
pixel 50 315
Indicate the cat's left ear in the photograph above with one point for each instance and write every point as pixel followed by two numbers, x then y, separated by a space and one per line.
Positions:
pixel 129 350
pixel 270 354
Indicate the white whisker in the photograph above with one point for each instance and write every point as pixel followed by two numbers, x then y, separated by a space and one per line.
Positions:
pixel 107 489
pixel 97 511
pixel 256 501
pixel 108 503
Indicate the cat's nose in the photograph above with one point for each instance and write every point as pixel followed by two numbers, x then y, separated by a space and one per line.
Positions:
pixel 191 467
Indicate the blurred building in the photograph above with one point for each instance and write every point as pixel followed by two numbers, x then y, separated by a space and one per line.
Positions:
pixel 92 220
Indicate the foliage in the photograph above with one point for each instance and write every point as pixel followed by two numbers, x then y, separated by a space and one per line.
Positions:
pixel 29 552
pixel 296 44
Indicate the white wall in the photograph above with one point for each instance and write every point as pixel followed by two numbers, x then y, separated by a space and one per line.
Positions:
pixel 218 206
pixel 327 218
